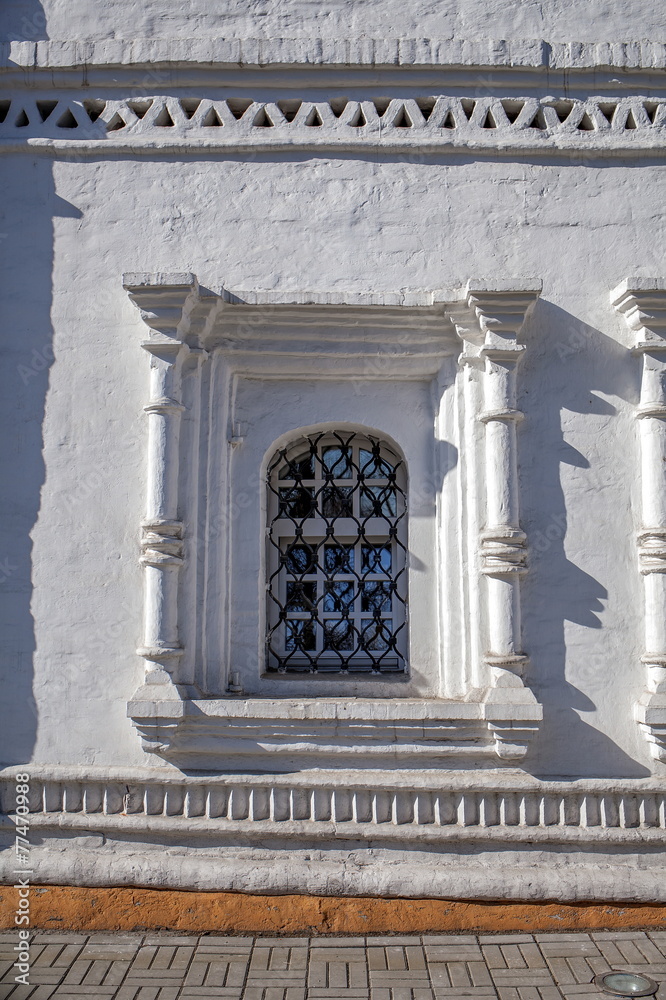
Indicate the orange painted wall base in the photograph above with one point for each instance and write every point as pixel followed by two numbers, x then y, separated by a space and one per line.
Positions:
pixel 126 909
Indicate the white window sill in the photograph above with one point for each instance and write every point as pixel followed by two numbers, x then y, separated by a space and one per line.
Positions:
pixel 314 732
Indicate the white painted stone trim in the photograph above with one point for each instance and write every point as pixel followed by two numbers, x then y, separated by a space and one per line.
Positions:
pixel 165 306
pixel 165 124
pixel 500 309
pixel 642 301
pixel 415 337
pixel 534 53
pixel 421 806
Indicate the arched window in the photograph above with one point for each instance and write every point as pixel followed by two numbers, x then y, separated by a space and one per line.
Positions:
pixel 337 576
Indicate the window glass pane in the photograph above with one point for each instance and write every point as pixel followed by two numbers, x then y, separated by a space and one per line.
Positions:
pixel 372 465
pixel 335 552
pixel 339 596
pixel 300 635
pixel 338 635
pixel 337 501
pixel 378 501
pixel 300 559
pixel 376 559
pixel 301 596
pixel 300 467
pixel 376 633
pixel 339 559
pixel 337 462
pixel 297 501
pixel 376 596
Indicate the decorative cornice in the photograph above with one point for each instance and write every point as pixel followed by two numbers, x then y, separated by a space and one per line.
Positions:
pixel 497 123
pixel 523 53
pixel 501 309
pixel 642 301
pixel 405 808
pixel 165 302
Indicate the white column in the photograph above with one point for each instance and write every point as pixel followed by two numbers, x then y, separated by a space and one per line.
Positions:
pixel 512 711
pixel 642 301
pixel 165 302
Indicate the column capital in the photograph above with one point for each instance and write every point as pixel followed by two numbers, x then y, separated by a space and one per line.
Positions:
pixel 642 302
pixel 165 302
pixel 501 308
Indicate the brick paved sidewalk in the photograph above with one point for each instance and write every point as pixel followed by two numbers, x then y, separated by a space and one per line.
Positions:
pixel 117 966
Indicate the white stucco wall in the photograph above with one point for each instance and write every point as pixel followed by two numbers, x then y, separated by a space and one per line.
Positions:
pixel 322 219
pixel 330 224
pixel 555 20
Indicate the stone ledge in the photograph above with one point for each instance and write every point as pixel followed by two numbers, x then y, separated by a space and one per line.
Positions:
pixel 516 52
pixel 289 733
pixel 429 807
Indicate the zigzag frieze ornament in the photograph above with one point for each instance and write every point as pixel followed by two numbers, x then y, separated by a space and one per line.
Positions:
pixel 162 121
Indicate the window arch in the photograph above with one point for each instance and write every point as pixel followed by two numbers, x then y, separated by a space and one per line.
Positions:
pixel 337 567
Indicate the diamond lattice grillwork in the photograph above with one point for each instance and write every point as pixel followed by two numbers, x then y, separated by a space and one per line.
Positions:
pixel 337 584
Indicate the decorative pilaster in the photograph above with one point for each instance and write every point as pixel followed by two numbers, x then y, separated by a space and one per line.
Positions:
pixel 165 302
pixel 642 301
pixel 512 711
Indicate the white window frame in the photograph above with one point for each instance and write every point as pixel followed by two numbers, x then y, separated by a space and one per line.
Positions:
pixel 206 356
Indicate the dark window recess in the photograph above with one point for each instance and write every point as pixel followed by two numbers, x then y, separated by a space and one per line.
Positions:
pixel 337 580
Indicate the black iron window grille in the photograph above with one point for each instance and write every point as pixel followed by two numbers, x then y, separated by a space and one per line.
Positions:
pixel 337 577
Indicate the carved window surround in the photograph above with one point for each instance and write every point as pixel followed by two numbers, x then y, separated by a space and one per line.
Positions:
pixel 642 302
pixel 466 695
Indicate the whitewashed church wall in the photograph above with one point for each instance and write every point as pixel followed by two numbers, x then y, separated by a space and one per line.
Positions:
pixel 340 225
pixel 555 20
pixel 129 242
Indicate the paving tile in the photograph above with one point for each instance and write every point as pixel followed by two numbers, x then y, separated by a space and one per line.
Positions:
pixel 506 938
pixel 456 953
pixel 566 949
pixel 630 952
pixel 648 949
pixel 448 939
pixel 532 955
pixel 562 936
pixel 172 939
pixel 479 974
pixel 392 941
pixel 493 957
pixel 523 977
pixel 281 942
pixel 513 957
pixel 339 942
pixel 55 937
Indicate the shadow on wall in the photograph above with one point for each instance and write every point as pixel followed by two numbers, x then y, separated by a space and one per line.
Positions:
pixel 569 361
pixel 26 252
pixel 24 21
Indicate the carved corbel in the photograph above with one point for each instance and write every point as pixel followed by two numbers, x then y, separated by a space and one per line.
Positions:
pixel 498 312
pixel 642 302
pixel 166 303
